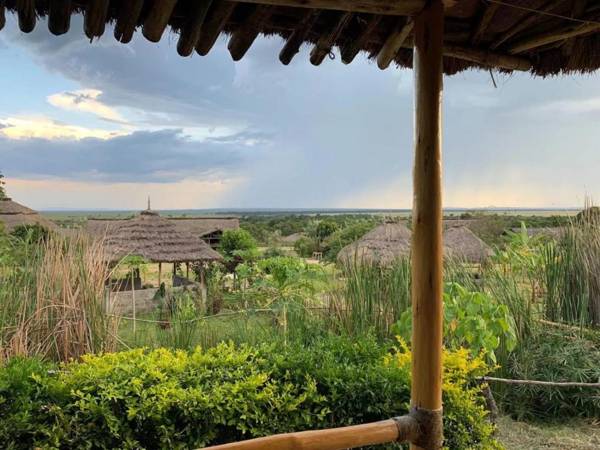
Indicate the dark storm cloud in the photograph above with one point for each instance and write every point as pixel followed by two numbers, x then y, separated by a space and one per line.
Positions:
pixel 143 156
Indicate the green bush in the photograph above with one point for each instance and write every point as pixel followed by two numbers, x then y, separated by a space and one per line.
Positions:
pixel 552 356
pixel 177 399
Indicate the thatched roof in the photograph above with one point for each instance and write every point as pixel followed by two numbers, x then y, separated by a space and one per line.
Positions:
pixel 13 214
pixel 156 239
pixel 542 36
pixel 291 239
pixel 198 226
pixel 202 226
pixel 462 244
pixel 382 245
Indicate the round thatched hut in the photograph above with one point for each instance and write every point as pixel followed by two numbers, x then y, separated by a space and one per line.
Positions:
pixel 463 245
pixel 13 214
pixel 382 245
pixel 155 239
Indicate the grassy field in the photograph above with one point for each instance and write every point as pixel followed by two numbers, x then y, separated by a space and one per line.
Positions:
pixel 571 435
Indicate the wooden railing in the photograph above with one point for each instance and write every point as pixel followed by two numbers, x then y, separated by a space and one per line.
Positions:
pixel 399 429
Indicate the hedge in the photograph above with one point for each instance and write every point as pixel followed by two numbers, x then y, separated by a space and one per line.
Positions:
pixel 142 399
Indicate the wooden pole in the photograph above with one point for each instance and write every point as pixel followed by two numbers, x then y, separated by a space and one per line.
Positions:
pixel 427 286
pixel 401 429
pixel 159 273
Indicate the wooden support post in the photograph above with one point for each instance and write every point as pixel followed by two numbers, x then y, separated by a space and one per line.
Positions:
pixel 159 273
pixel 187 270
pixel 427 286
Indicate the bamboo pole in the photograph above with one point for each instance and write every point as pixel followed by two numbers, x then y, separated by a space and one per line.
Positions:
pixel 401 429
pixel 426 395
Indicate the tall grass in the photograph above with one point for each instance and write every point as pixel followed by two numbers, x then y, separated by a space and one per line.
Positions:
pixel 372 298
pixel 52 299
pixel 572 275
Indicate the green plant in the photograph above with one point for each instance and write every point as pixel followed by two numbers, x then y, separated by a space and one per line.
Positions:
pixel 305 247
pixel 370 297
pixel 52 299
pixel 472 320
pixel 177 399
pixel 552 355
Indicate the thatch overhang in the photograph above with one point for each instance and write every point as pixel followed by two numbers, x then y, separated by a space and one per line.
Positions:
pixel 155 239
pixel 13 214
pixel 542 36
pixel 382 245
pixel 462 244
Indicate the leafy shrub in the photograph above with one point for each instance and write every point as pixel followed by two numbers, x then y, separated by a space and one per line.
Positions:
pixel 305 247
pixel 472 320
pixel 552 356
pixel 177 399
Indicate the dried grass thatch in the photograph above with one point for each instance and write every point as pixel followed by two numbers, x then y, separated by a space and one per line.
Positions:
pixel 13 214
pixel 540 36
pixel 382 245
pixel 462 244
pixel 155 239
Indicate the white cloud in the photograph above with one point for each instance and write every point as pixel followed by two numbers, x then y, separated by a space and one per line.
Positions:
pixel 30 127
pixel 85 100
pixel 586 106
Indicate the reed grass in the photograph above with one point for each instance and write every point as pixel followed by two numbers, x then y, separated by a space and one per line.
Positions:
pixel 52 299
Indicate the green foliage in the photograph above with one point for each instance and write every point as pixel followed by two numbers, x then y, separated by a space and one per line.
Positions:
pixel 2 189
pixel 551 355
pixel 305 247
pixel 236 242
pixel 345 236
pixel 371 298
pixel 472 320
pixel 35 233
pixel 176 399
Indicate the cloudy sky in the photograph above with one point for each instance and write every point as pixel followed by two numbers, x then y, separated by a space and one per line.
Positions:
pixel 104 125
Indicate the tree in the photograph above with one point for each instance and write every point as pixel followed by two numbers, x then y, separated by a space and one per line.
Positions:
pixel 237 246
pixel 2 190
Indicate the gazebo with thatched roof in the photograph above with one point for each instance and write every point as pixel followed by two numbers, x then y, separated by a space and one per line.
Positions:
pixel 157 240
pixel 13 214
pixel 382 245
pixel 462 244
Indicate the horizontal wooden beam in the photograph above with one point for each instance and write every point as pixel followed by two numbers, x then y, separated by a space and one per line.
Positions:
pixel 488 59
pixel 94 19
pixel 26 15
pixel 59 16
pixel 192 28
pixel 401 429
pixel 385 7
pixel 242 39
pixel 349 51
pixel 296 39
pixel 525 22
pixel 555 35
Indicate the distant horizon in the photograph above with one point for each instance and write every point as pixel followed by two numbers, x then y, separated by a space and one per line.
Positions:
pixel 308 209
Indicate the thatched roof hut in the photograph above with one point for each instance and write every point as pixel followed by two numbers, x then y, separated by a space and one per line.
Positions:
pixel 382 245
pixel 13 214
pixel 156 239
pixel 462 244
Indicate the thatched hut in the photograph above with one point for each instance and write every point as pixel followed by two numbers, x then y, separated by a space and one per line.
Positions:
pixel 155 239
pixel 382 245
pixel 13 214
pixel 463 245
pixel 209 229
